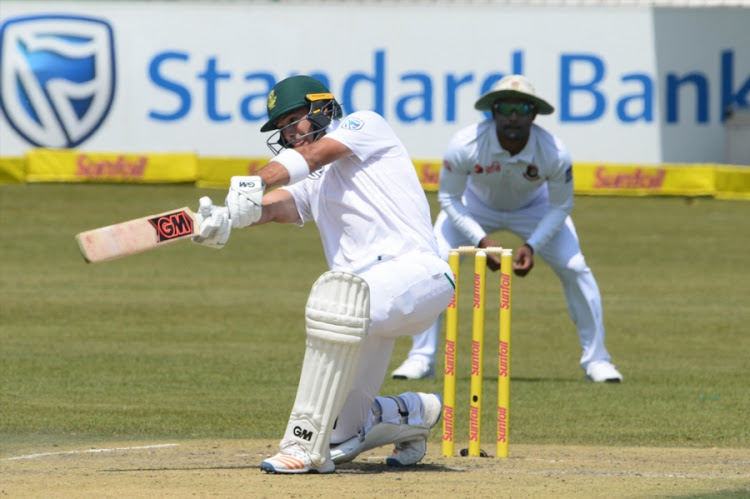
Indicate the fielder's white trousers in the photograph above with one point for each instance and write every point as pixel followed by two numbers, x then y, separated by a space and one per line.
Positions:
pixel 562 253
pixel 407 294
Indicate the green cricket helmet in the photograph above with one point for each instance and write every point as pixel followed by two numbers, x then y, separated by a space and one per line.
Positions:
pixel 301 91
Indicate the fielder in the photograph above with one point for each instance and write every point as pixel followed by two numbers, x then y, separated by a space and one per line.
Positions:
pixel 507 173
pixel 354 179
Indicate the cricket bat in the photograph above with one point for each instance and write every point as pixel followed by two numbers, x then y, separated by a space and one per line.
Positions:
pixel 136 236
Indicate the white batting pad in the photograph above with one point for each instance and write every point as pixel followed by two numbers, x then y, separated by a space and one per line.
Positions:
pixel 337 317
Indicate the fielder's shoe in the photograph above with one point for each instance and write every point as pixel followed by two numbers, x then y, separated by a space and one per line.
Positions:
pixel 415 368
pixel 601 371
pixel 294 459
pixel 411 452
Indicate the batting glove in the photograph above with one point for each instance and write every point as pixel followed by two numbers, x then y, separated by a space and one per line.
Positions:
pixel 213 223
pixel 244 200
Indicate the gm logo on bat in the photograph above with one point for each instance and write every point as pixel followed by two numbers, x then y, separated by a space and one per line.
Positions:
pixel 58 77
pixel 172 225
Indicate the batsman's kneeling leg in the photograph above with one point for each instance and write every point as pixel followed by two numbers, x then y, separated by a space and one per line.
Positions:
pixel 337 319
pixel 395 420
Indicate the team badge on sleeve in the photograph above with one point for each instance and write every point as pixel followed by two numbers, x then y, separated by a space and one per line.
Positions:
pixel 352 124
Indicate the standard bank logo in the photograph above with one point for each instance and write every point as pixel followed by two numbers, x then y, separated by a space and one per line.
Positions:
pixel 57 77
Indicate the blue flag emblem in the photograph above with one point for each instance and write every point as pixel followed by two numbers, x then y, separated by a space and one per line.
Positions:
pixel 352 124
pixel 57 77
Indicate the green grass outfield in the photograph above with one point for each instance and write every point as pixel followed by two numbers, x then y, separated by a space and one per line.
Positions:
pixel 189 342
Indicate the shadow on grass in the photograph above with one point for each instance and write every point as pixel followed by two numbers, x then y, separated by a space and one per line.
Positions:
pixel 356 468
pixel 182 468
pixel 361 468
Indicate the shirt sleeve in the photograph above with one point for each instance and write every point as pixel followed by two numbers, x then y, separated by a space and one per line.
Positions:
pixel 560 188
pixel 301 197
pixel 364 133
pixel 454 176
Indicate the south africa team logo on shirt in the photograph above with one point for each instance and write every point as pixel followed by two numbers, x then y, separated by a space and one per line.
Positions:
pixel 352 124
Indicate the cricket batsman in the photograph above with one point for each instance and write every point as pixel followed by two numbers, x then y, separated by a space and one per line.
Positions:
pixel 354 179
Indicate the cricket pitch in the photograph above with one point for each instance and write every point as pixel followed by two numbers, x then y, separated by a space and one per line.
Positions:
pixel 229 468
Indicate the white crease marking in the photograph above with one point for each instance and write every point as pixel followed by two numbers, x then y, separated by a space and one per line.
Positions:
pixel 89 451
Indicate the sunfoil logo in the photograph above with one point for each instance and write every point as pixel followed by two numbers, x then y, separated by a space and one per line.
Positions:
pixel 412 100
pixel 57 77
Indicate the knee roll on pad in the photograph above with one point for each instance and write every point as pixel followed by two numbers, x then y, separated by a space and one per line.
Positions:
pixel 338 309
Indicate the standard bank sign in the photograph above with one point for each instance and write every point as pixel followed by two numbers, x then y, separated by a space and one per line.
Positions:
pixel 57 77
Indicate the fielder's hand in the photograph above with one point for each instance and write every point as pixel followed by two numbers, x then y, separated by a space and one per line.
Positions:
pixel 493 260
pixel 213 223
pixel 523 261
pixel 244 200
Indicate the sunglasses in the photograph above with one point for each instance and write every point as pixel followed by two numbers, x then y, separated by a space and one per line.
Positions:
pixel 507 108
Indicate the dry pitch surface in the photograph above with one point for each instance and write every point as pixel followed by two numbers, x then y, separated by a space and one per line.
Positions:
pixel 229 468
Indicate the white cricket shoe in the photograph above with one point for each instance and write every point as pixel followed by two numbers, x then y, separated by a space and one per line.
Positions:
pixel 601 371
pixel 415 368
pixel 294 459
pixel 411 452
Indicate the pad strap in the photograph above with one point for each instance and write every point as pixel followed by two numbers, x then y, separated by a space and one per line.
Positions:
pixel 377 412
pixel 403 410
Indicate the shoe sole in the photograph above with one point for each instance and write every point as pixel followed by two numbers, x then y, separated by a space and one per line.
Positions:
pixel 608 380
pixel 269 468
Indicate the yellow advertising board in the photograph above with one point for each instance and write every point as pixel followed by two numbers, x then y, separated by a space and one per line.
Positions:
pixel 428 171
pixel 638 180
pixel 12 170
pixel 732 182
pixel 47 165
pixel 217 171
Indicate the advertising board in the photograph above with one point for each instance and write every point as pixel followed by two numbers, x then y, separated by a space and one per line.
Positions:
pixel 630 85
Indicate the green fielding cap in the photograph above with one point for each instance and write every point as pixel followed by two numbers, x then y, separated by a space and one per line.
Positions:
pixel 513 87
pixel 290 94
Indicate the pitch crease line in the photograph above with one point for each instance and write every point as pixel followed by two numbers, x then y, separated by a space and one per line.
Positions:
pixel 88 451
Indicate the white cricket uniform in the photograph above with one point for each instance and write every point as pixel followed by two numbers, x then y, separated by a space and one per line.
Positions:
pixel 483 189
pixel 374 221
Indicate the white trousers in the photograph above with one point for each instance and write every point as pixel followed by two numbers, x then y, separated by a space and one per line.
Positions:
pixel 407 294
pixel 562 253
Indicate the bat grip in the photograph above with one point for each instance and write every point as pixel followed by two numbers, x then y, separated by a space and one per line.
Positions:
pixel 206 206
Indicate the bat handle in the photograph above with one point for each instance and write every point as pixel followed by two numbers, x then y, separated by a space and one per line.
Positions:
pixel 206 206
